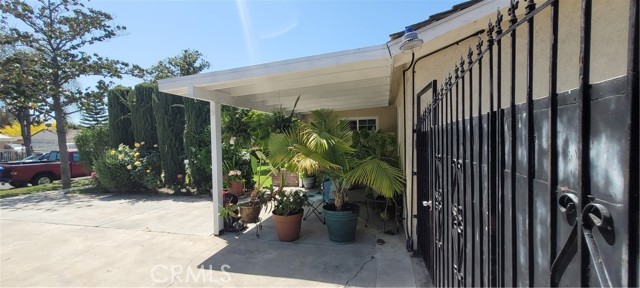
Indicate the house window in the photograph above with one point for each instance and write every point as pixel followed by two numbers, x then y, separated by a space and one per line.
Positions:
pixel 365 123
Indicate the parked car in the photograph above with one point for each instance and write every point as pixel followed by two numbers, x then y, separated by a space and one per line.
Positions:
pixel 17 147
pixel 20 174
pixel 35 157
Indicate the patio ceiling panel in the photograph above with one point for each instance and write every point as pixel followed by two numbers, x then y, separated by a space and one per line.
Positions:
pixel 345 80
pixel 334 89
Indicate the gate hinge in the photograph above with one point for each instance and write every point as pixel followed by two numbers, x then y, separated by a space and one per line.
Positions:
pixel 414 173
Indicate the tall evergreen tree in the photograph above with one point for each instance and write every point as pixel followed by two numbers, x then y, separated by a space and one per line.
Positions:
pixel 94 114
pixel 196 120
pixel 170 114
pixel 120 131
pixel 142 118
pixel 21 89
pixel 62 31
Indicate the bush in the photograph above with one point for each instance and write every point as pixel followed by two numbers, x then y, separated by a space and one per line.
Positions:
pixel 92 144
pixel 234 158
pixel 119 116
pixel 199 164
pixel 169 113
pixel 197 142
pixel 128 169
pixel 143 122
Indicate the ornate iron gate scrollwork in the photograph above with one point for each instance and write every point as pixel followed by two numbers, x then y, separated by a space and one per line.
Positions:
pixel 504 212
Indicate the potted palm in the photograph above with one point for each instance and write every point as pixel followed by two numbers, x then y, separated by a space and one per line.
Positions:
pixel 325 144
pixel 287 214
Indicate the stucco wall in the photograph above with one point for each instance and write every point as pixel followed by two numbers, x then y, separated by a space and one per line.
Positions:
pixel 609 51
pixel 386 116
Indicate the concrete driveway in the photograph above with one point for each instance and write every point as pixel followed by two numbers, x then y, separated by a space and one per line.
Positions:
pixel 56 239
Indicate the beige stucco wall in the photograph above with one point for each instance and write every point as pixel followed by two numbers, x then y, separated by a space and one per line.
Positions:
pixel 609 51
pixel 386 116
pixel 608 60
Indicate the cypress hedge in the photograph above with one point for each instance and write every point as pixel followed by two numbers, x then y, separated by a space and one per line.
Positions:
pixel 169 114
pixel 197 144
pixel 120 131
pixel 143 120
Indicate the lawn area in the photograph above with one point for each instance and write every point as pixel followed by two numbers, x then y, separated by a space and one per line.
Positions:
pixel 260 171
pixel 42 188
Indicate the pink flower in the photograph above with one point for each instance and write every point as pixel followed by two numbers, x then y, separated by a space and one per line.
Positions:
pixel 94 175
pixel 180 176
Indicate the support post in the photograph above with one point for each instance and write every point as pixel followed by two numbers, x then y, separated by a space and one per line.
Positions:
pixel 216 156
pixel 216 167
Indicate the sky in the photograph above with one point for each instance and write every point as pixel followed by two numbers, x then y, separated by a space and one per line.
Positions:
pixel 240 33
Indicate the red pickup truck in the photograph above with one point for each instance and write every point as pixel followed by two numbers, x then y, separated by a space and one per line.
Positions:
pixel 41 172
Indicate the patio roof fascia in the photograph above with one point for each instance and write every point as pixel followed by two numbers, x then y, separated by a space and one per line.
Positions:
pixel 259 87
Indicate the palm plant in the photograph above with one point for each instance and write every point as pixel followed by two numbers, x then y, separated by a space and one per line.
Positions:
pixel 325 145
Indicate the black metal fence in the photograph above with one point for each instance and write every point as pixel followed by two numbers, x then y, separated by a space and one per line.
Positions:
pixel 543 193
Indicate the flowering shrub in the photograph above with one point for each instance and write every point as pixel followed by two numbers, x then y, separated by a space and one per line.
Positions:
pixel 128 169
pixel 180 185
pixel 235 175
pixel 287 203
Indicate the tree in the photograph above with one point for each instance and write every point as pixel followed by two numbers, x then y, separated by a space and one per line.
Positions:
pixel 189 62
pixel 120 131
pixel 14 129
pixel 235 127
pixel 95 114
pixel 61 31
pixel 169 114
pixel 5 117
pixel 21 89
pixel 92 143
pixel 143 121
pixel 180 122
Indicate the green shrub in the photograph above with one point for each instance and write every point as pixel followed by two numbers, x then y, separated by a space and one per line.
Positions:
pixel 199 164
pixel 127 169
pixel 143 121
pixel 234 158
pixel 92 143
pixel 197 142
pixel 169 113
pixel 119 116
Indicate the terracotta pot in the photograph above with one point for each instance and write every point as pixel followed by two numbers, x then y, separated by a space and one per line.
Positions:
pixel 288 227
pixel 236 187
pixel 250 214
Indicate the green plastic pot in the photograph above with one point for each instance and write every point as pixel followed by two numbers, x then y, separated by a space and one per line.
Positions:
pixel 341 224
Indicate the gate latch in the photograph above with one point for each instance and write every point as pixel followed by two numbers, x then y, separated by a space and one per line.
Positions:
pixel 426 204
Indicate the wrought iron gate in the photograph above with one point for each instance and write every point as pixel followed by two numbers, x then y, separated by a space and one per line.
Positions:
pixel 543 193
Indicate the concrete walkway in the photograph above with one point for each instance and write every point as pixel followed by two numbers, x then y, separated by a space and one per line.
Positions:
pixel 53 239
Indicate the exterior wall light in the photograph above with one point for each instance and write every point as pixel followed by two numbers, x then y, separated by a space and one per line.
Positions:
pixel 410 40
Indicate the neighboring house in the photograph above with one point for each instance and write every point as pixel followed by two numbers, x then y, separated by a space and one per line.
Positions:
pixel 8 139
pixel 9 149
pixel 489 234
pixel 47 140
